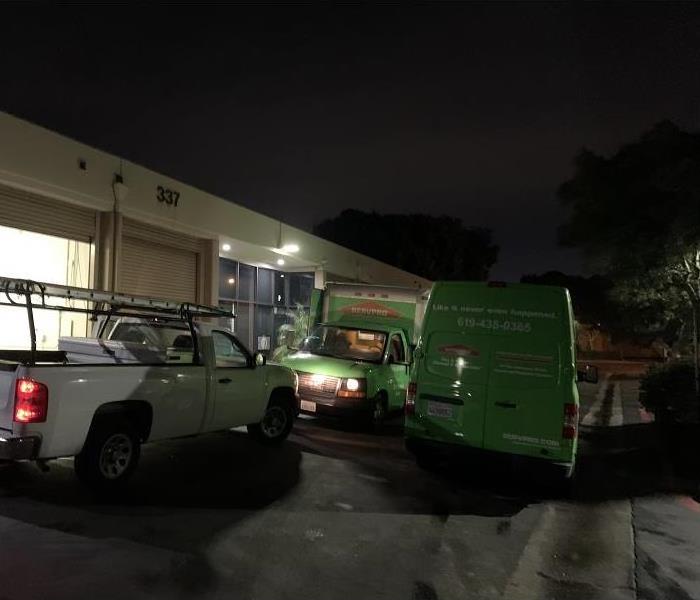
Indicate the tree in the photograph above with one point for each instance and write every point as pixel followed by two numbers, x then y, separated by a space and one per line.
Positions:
pixel 636 216
pixel 589 296
pixel 432 247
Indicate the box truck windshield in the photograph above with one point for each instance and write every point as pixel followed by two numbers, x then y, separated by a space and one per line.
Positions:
pixel 345 343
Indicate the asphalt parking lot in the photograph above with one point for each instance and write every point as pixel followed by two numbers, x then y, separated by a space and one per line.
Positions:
pixel 338 512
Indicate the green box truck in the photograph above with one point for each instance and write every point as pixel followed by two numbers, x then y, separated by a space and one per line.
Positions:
pixel 355 360
pixel 495 370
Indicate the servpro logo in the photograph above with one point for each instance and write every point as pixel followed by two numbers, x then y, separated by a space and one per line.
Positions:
pixel 458 350
pixel 370 309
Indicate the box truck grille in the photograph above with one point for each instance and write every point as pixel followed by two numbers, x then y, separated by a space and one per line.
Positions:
pixel 317 385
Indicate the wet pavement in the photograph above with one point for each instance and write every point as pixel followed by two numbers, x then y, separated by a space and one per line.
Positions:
pixel 341 513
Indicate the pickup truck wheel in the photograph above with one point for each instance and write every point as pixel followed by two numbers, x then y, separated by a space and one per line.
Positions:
pixel 109 456
pixel 276 422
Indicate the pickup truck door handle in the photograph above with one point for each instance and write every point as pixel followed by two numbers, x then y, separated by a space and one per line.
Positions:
pixel 506 404
pixel 225 380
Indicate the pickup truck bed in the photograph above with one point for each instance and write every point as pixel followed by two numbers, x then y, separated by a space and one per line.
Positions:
pixel 94 351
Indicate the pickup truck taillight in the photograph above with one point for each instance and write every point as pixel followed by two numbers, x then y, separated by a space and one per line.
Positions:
pixel 31 401
pixel 410 406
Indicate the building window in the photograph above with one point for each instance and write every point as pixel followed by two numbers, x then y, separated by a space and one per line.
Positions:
pixel 244 326
pixel 246 282
pixel 281 283
pixel 264 291
pixel 228 278
pixel 264 301
pixel 300 286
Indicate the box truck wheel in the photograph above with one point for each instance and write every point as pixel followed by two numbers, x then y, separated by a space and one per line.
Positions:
pixel 378 412
pixel 110 454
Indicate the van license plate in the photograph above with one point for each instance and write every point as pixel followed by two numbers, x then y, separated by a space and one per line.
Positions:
pixel 308 406
pixel 438 409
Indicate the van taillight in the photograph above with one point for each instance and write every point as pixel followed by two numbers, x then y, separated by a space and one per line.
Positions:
pixel 410 406
pixel 31 401
pixel 570 421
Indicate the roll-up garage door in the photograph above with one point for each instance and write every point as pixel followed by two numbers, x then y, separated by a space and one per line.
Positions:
pixel 158 263
pixel 32 212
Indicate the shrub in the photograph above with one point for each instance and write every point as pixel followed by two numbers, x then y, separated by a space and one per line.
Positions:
pixel 670 387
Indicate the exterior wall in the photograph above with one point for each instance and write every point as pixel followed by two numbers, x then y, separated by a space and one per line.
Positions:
pixel 35 159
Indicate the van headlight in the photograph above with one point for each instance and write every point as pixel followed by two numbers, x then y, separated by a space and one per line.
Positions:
pixel 352 388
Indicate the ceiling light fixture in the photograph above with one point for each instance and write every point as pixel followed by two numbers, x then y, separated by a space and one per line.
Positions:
pixel 226 247
pixel 280 262
pixel 291 248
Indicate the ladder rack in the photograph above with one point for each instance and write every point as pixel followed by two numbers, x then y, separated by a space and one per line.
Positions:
pixel 29 294
pixel 40 294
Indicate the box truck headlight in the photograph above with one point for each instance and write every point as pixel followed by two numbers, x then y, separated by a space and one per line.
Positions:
pixel 353 388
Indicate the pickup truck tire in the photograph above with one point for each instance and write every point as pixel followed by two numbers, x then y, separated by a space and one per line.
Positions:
pixel 276 423
pixel 110 454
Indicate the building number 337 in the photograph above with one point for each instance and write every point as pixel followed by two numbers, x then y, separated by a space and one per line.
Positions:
pixel 170 197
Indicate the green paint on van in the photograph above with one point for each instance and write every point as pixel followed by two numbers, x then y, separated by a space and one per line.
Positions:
pixel 495 370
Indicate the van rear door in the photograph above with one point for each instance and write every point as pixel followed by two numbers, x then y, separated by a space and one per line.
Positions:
pixel 452 389
pixel 530 373
pixel 525 401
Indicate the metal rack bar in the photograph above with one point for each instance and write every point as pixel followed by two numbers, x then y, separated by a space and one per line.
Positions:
pixel 39 295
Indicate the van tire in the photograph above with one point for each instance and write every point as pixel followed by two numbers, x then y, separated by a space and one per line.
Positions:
pixel 110 454
pixel 425 459
pixel 276 423
pixel 561 481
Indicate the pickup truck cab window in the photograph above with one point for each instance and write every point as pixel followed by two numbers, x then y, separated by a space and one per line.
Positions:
pixel 140 337
pixel 229 352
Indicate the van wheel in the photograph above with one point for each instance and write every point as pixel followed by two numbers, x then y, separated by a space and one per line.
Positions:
pixel 425 459
pixel 109 456
pixel 276 423
pixel 561 482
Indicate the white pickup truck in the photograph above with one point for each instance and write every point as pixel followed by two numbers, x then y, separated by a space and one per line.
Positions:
pixel 152 372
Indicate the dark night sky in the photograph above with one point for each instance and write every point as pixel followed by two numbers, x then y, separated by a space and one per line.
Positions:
pixel 470 110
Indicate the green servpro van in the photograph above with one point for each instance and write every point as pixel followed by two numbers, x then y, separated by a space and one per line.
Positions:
pixel 495 370
pixel 355 360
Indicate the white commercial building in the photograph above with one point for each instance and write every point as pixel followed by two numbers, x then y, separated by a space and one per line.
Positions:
pixel 74 215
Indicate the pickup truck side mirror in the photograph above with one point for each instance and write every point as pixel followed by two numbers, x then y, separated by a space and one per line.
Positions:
pixel 589 374
pixel 259 359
